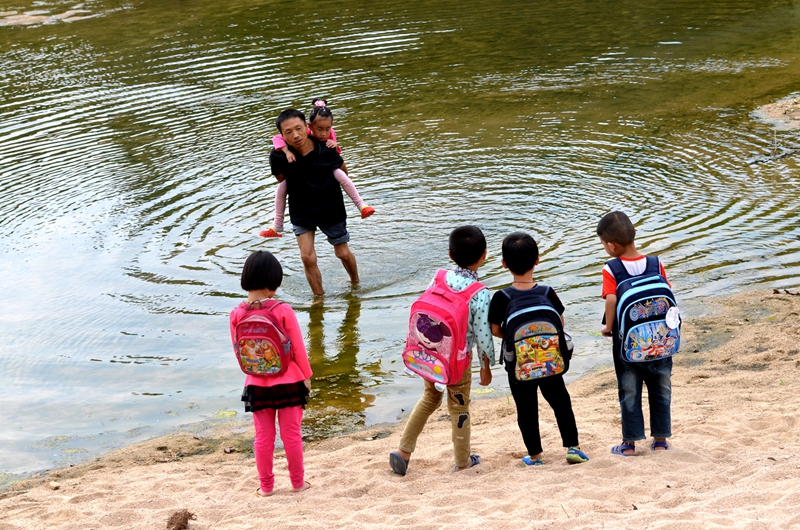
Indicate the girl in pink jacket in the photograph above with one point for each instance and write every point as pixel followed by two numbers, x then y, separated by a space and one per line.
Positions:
pixel 320 127
pixel 269 396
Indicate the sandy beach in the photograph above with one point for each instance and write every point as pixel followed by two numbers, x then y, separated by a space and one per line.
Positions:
pixel 734 460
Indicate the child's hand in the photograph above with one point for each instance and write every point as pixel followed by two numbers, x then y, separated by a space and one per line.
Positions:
pixel 330 143
pixel 606 331
pixel 486 375
pixel 307 382
pixel 289 155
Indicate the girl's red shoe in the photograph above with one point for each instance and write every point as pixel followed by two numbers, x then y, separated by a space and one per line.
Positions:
pixel 270 232
pixel 366 211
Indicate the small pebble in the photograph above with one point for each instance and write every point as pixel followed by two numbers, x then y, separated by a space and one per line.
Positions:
pixel 54 485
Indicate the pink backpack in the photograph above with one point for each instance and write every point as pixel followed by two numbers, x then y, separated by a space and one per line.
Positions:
pixel 261 345
pixel 436 343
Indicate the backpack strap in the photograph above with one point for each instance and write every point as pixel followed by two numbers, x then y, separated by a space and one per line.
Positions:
pixel 269 305
pixel 618 270
pixel 440 280
pixel 620 273
pixel 473 288
pixel 652 268
pixel 541 289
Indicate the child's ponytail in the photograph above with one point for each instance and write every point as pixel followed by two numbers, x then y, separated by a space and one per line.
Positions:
pixel 320 110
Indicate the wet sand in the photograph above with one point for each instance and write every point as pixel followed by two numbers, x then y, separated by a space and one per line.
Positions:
pixel 783 114
pixel 734 460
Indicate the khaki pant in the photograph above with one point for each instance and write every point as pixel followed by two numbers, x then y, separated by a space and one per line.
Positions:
pixel 457 405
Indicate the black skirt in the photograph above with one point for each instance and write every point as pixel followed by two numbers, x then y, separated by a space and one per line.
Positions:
pixel 274 397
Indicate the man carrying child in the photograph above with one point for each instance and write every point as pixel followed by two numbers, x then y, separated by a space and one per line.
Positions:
pixel 315 196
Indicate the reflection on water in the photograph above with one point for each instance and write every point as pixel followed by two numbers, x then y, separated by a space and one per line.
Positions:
pixel 339 382
pixel 134 180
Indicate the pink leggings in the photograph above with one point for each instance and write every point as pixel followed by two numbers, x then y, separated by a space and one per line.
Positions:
pixel 289 420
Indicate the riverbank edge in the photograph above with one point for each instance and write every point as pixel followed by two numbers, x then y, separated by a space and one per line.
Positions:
pixel 232 439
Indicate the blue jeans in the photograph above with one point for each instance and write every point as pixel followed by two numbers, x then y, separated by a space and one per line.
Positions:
pixel 657 376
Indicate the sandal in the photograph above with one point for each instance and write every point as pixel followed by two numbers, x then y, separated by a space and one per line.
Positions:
pixel 474 460
pixel 262 494
pixel 659 443
pixel 621 448
pixel 398 464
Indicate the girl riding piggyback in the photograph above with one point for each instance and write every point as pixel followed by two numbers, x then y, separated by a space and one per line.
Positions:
pixel 320 127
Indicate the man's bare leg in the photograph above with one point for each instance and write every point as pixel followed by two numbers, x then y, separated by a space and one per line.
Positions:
pixel 344 253
pixel 308 254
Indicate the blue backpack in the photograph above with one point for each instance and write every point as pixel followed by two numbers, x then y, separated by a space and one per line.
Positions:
pixel 534 342
pixel 648 323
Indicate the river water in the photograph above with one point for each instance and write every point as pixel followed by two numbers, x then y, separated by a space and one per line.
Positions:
pixel 134 143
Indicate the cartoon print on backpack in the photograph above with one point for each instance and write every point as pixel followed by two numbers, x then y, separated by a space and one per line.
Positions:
pixel 650 341
pixel 261 345
pixel 258 357
pixel 649 308
pixel 431 332
pixel 434 336
pixel 538 354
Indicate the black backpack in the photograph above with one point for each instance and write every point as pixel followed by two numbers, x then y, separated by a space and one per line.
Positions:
pixel 646 309
pixel 534 344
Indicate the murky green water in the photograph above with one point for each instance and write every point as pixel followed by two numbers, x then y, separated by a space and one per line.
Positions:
pixel 134 180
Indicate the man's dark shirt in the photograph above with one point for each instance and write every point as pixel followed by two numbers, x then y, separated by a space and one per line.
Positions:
pixel 315 196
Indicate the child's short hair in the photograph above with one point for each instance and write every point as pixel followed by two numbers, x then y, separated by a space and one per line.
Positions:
pixel 261 270
pixel 467 245
pixel 520 252
pixel 616 227
pixel 286 115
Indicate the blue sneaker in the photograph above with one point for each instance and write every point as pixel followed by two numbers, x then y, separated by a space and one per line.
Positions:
pixel 528 461
pixel 576 456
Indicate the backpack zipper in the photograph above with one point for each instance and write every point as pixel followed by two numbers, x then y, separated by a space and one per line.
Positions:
pixel 528 309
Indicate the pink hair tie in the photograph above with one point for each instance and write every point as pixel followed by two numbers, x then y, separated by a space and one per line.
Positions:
pixel 319 103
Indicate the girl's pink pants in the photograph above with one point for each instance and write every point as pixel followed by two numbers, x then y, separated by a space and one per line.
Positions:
pixel 289 420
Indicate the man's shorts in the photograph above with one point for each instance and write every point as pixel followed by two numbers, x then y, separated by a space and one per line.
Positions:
pixel 337 234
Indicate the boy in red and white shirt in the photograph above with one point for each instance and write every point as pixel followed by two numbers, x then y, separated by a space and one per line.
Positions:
pixel 617 235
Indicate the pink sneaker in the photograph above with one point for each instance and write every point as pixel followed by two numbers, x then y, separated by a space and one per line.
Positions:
pixel 366 211
pixel 270 232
